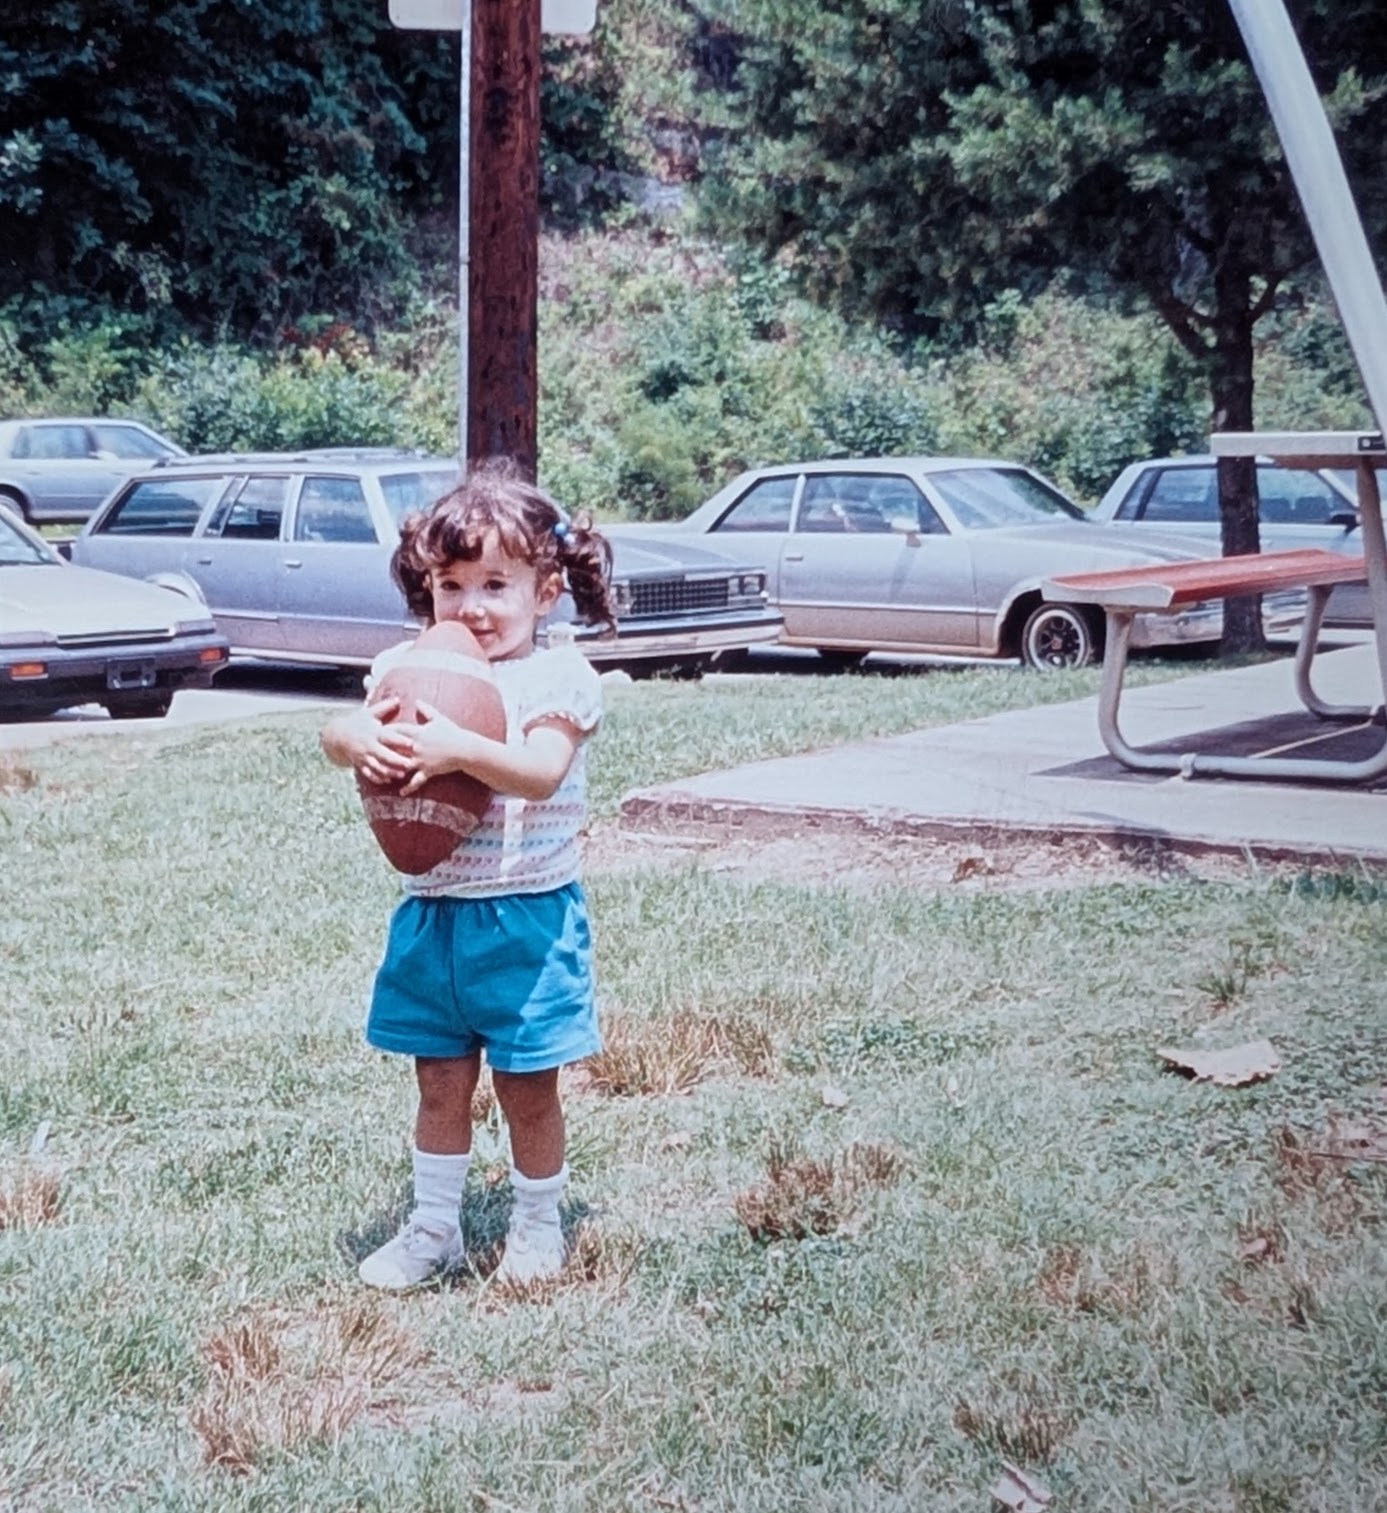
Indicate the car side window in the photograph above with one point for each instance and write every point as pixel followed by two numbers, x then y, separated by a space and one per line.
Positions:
pixel 160 507
pixel 406 492
pixel 127 441
pixel 252 511
pixel 764 507
pixel 1183 495
pixel 52 443
pixel 840 503
pixel 1292 497
pixel 334 509
pixel 898 498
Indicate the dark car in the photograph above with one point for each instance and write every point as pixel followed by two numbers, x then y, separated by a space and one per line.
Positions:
pixel 292 553
pixel 74 635
pixel 61 468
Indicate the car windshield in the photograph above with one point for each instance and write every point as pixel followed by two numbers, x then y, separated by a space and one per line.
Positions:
pixel 17 550
pixel 414 491
pixel 989 498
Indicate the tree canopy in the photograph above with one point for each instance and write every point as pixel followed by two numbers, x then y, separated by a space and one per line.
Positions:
pixel 235 160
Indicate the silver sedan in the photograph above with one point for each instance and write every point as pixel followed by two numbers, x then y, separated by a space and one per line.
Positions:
pixel 943 555
pixel 60 469
pixel 1296 507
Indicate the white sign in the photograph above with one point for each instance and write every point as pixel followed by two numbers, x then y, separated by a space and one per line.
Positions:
pixel 576 17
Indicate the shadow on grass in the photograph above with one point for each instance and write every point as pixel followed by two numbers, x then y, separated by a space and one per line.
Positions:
pixel 485 1215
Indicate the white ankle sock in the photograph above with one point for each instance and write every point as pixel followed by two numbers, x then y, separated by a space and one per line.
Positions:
pixel 538 1197
pixel 438 1185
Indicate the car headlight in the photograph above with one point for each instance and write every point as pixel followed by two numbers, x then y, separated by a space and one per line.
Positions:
pixel 198 627
pixel 621 597
pixel 752 583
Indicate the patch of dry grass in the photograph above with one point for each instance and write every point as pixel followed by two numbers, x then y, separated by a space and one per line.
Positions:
pixel 15 777
pixel 1120 1287
pixel 29 1200
pixel 803 1196
pixel 276 1382
pixel 1024 1424
pixel 672 1054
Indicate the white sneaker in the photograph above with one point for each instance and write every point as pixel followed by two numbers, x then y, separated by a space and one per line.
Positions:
pixel 415 1255
pixel 534 1249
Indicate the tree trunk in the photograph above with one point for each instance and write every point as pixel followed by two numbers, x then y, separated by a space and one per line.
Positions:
pixel 1231 386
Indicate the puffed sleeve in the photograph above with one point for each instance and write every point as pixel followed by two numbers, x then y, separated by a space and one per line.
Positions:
pixel 566 687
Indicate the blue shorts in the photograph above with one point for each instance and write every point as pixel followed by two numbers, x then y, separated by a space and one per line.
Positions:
pixel 510 976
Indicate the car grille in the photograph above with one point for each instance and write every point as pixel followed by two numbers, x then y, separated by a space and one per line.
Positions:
pixel 118 637
pixel 672 596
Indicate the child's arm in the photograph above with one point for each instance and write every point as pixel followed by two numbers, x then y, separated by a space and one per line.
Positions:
pixel 531 771
pixel 361 739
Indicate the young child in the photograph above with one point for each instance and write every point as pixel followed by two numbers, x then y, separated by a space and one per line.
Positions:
pixel 490 952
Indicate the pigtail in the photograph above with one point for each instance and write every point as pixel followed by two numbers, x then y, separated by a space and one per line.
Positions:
pixel 585 555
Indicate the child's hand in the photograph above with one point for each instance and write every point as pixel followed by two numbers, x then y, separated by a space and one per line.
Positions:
pixel 379 752
pixel 437 745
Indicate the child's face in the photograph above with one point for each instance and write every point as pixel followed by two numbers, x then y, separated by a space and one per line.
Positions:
pixel 499 598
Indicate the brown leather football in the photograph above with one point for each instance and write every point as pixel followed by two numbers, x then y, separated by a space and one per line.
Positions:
pixel 446 668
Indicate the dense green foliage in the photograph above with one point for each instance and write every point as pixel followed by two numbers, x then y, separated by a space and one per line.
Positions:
pixel 152 162
pixel 241 168
pixel 666 368
pixel 237 165
pixel 913 158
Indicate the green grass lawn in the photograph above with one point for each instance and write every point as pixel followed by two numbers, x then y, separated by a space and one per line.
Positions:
pixel 875 1190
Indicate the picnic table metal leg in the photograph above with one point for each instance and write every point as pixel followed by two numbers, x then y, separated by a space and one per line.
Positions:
pixel 1375 558
pixel 1117 644
pixel 1196 764
pixel 1306 647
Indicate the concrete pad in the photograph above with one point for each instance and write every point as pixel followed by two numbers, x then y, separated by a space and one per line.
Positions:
pixel 1044 774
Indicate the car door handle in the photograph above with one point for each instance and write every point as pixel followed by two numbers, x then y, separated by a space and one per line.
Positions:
pixel 293 562
pixel 204 562
pixel 794 556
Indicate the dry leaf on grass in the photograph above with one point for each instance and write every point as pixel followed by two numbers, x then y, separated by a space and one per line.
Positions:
pixel 834 1097
pixel 1235 1067
pixel 1020 1491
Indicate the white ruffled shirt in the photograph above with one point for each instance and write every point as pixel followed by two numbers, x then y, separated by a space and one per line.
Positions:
pixel 522 845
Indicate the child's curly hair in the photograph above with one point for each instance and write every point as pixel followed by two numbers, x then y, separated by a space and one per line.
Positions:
pixel 530 527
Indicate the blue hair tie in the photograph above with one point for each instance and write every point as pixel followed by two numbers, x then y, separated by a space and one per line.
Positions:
pixel 562 528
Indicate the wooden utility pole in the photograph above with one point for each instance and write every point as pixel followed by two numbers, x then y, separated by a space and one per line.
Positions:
pixel 503 257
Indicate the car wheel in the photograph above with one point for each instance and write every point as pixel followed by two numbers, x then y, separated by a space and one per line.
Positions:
pixel 139 706
pixel 16 502
pixel 837 656
pixel 1057 636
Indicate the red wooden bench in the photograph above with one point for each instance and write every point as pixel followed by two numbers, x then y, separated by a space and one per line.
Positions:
pixel 1164 588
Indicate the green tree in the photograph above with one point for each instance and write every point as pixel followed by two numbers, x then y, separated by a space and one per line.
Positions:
pixel 915 157
pixel 238 164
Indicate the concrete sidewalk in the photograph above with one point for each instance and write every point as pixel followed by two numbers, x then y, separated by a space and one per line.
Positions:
pixel 1044 774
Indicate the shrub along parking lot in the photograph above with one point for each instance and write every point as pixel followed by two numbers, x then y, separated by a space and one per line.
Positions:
pixel 877 1186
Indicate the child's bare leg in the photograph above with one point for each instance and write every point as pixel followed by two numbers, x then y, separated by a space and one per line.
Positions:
pixel 530 1102
pixel 534 1241
pixel 431 1240
pixel 443 1125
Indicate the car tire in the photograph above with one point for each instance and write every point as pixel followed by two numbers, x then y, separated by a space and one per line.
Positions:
pixel 841 658
pixel 15 502
pixel 139 706
pixel 1057 637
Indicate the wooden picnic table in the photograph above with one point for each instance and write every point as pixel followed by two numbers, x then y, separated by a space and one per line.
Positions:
pixel 1166 588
